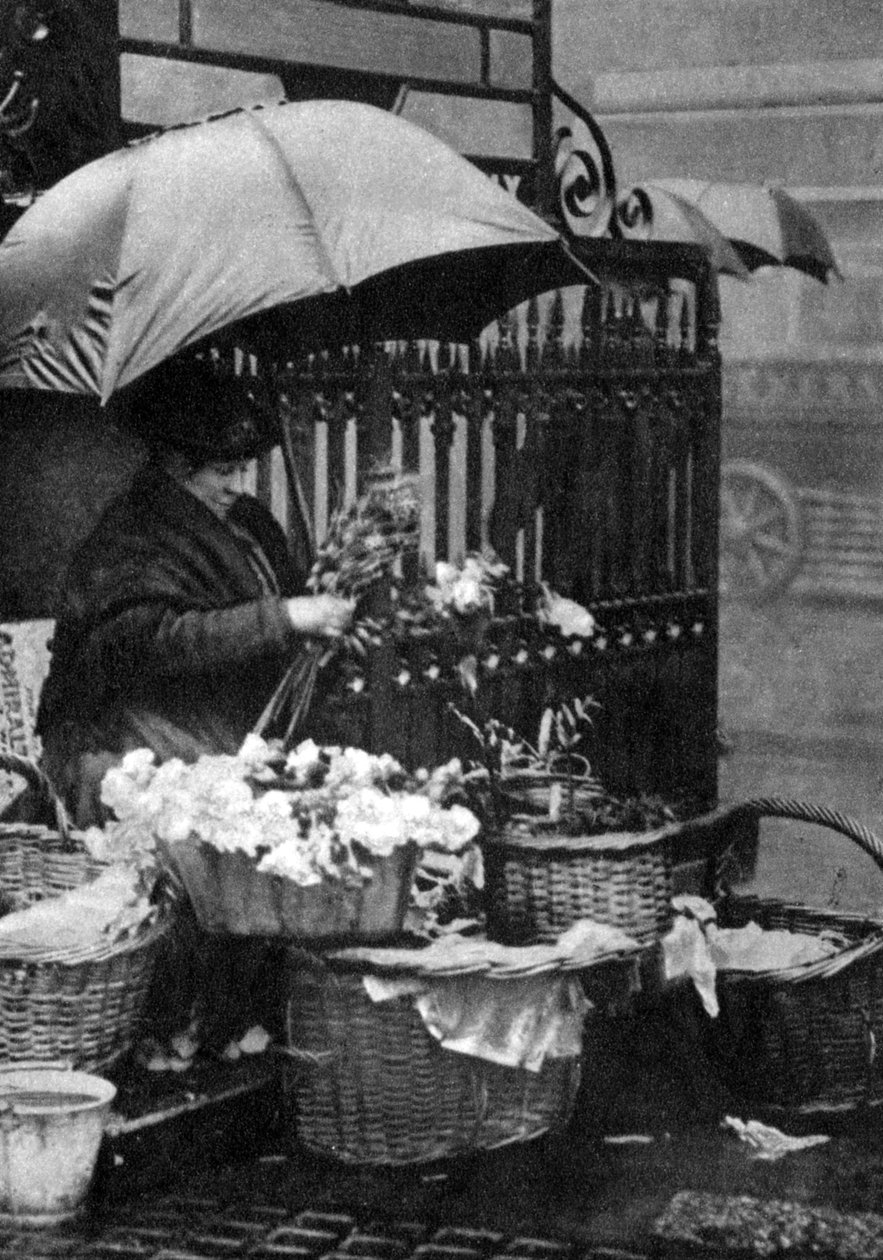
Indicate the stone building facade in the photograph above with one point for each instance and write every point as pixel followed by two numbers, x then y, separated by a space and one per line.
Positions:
pixel 788 92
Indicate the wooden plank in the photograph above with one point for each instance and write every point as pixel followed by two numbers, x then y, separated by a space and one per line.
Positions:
pixel 315 32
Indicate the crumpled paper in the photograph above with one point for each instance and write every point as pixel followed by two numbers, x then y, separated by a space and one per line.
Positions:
pixel 517 1022
pixel 769 1143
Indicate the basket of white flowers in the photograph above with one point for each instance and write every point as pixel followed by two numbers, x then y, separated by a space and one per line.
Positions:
pixel 318 845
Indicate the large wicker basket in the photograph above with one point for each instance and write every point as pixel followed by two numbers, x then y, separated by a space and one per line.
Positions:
pixel 805 1040
pixel 55 1007
pixel 370 1085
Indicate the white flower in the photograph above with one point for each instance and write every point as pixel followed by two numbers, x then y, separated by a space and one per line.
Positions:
pixel 175 821
pixel 416 810
pixel 123 786
pixel 168 776
pixel 468 595
pixel 95 842
pixel 274 805
pixel 372 819
pixel 386 767
pixel 569 616
pixel 293 861
pixel 457 826
pixel 466 590
pixel 229 797
pixel 351 767
pixel 443 778
pixel 303 761
pixel 446 574
pixel 139 765
pixel 255 752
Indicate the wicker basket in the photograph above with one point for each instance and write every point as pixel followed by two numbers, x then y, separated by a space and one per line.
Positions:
pixel 805 1040
pixel 540 881
pixel 230 896
pixel 525 790
pixel 84 1012
pixel 372 1086
pixel 532 793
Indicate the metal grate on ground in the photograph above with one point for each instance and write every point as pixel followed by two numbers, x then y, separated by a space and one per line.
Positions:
pixel 199 1229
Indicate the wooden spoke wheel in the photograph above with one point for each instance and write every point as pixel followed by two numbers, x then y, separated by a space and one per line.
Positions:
pixel 761 532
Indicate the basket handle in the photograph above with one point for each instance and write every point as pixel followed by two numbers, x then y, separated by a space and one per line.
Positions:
pixel 800 811
pixel 39 781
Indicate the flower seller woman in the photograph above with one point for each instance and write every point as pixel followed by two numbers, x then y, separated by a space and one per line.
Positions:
pixel 183 608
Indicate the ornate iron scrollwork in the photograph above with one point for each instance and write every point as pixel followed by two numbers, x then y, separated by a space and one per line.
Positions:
pixel 584 173
pixel 634 213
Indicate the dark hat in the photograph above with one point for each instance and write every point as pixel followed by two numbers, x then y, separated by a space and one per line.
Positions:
pixel 207 415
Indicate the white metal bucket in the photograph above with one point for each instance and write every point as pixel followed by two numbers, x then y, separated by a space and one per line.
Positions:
pixel 51 1123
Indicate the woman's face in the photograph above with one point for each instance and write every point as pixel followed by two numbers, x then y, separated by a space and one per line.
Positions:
pixel 219 484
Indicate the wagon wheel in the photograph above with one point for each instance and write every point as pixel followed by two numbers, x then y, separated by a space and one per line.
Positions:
pixel 761 531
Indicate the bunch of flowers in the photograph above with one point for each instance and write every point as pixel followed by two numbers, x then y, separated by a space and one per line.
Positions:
pixel 468 589
pixel 365 542
pixel 315 814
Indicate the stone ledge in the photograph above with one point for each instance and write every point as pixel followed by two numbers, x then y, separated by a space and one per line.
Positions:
pixel 810 83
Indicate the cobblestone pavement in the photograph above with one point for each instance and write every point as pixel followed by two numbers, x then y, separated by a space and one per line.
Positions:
pixel 183 1227
pixel 584 1198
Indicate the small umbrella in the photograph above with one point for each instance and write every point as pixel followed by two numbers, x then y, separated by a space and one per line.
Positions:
pixel 649 212
pixel 766 225
pixel 304 221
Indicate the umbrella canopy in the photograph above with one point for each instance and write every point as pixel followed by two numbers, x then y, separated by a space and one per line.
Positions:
pixel 649 212
pixel 766 225
pixel 337 218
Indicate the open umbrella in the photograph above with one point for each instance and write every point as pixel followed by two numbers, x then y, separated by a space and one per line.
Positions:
pixel 766 225
pixel 305 221
pixel 649 212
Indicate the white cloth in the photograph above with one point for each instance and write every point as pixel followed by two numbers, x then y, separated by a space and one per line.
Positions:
pixel 516 1022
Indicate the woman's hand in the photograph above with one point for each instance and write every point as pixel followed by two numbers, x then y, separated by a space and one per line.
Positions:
pixel 325 615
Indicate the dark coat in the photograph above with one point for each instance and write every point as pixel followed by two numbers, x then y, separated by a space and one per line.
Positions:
pixel 166 639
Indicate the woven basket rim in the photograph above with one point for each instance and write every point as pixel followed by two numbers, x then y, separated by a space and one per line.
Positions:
pixel 838 920
pixel 866 933
pixel 405 961
pixel 594 845
pixel 41 840
pixel 156 928
pixel 33 832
